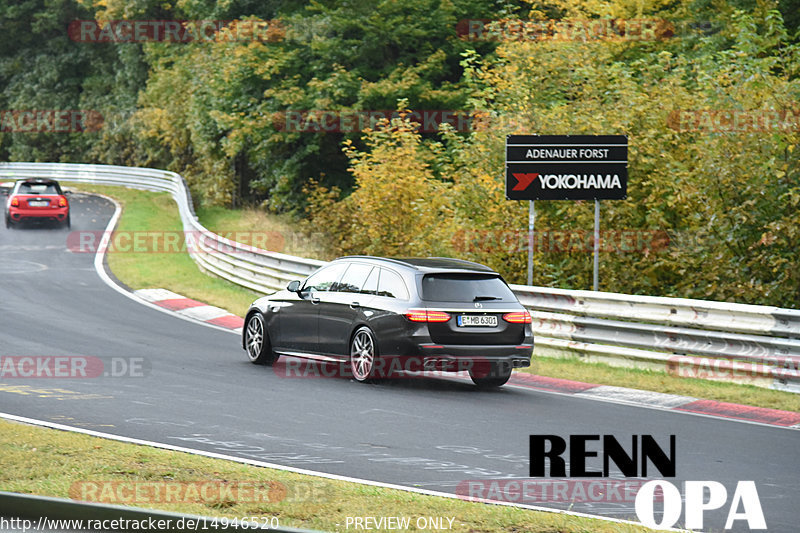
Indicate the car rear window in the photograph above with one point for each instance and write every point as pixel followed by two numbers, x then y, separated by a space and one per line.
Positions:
pixel 37 188
pixel 465 288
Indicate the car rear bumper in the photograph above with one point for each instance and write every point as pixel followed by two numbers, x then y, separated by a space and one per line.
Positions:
pixel 461 357
pixel 52 213
pixel 416 350
pixel 426 355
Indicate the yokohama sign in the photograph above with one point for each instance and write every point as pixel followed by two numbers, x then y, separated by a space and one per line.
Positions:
pixel 566 167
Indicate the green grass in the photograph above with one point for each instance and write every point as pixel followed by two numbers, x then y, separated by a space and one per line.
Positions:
pixel 49 462
pixel 146 211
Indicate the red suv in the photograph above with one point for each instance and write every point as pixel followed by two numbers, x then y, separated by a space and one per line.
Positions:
pixel 37 198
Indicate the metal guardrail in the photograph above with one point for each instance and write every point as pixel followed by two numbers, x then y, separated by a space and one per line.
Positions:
pixel 752 344
pixel 27 512
pixel 694 338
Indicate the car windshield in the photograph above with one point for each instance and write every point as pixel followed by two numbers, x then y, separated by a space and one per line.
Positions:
pixel 465 288
pixel 37 188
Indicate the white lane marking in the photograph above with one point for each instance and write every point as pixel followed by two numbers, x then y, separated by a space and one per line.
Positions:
pixel 30 247
pixel 214 455
pixel 18 266
pixel 101 271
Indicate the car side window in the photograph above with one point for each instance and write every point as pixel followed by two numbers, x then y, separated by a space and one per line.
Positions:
pixel 391 284
pixel 325 279
pixel 354 279
pixel 371 283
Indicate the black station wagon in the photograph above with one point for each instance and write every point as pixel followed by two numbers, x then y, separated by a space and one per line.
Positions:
pixel 382 315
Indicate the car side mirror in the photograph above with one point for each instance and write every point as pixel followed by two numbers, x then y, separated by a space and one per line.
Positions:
pixel 293 286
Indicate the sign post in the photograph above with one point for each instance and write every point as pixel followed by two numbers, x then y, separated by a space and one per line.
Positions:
pixel 531 220
pixel 596 250
pixel 567 167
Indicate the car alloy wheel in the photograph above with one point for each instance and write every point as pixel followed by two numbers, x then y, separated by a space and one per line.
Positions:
pixel 257 342
pixel 362 355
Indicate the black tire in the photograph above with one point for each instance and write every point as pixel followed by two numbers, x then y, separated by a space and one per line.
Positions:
pixel 490 375
pixel 363 354
pixel 256 341
pixel 67 222
pixel 9 224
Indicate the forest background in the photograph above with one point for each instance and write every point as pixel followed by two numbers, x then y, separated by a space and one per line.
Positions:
pixel 707 92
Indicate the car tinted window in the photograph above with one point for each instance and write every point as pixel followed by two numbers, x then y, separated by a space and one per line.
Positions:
pixel 465 288
pixel 324 279
pixel 353 280
pixel 391 284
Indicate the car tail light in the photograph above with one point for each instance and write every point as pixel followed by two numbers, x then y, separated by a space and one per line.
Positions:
pixel 62 202
pixel 426 315
pixel 15 202
pixel 518 317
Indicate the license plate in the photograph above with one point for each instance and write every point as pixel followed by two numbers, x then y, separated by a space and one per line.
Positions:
pixel 488 321
pixel 38 203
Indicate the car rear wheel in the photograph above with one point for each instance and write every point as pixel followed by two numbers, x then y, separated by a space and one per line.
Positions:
pixel 490 375
pixel 256 341
pixel 9 224
pixel 67 223
pixel 363 352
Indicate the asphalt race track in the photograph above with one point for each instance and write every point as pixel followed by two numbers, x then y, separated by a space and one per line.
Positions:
pixel 197 390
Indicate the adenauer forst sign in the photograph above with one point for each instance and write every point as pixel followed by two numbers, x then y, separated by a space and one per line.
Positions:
pixel 566 167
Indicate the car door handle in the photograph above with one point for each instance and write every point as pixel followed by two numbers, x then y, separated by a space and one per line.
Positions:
pixel 355 305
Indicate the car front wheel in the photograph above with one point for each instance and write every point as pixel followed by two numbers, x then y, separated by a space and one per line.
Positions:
pixel 256 341
pixel 363 352
pixel 490 375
